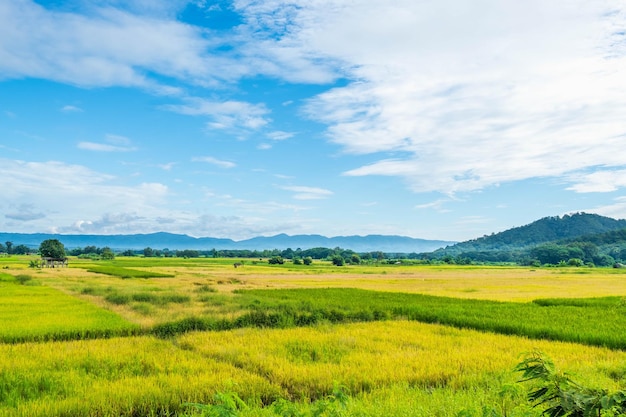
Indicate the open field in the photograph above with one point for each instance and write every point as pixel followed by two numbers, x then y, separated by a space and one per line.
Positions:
pixel 358 338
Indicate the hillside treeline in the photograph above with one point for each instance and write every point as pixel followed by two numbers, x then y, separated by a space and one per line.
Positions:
pixel 577 239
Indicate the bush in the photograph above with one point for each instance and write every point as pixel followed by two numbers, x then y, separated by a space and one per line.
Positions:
pixel 118 299
pixel 276 260
pixel 575 262
pixel 23 279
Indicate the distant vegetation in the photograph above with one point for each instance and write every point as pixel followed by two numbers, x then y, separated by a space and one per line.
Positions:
pixel 579 239
pixel 575 240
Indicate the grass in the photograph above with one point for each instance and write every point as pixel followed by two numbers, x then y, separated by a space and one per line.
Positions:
pixel 39 313
pixel 126 272
pixel 602 322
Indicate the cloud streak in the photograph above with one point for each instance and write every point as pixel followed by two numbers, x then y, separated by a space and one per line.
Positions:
pixel 214 161
pixel 308 193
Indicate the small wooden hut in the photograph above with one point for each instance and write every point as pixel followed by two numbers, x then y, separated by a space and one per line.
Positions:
pixel 53 262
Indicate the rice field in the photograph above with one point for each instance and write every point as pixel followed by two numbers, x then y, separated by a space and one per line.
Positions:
pixel 297 340
pixel 40 313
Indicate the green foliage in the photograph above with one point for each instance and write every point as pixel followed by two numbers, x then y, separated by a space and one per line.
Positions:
pixel 226 405
pixel 146 297
pixel 126 272
pixel 205 288
pixel 229 404
pixel 24 279
pixel 52 248
pixel 575 262
pixel 602 323
pixel 107 254
pixel 337 260
pixel 276 260
pixel 190 324
pixel 560 396
pixel 589 237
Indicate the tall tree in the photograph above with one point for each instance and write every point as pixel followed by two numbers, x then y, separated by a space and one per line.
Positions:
pixel 52 248
pixel 107 253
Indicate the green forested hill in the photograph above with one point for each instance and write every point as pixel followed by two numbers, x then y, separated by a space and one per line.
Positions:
pixel 589 237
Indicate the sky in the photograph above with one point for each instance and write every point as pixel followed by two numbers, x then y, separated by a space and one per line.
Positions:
pixel 434 119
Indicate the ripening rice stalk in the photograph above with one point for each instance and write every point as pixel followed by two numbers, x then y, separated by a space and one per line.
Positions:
pixel 113 377
pixel 43 313
pixel 369 356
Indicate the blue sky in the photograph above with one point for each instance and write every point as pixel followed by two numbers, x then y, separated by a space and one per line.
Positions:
pixel 440 119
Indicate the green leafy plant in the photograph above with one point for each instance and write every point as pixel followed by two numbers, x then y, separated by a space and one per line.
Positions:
pixel 560 396
pixel 227 404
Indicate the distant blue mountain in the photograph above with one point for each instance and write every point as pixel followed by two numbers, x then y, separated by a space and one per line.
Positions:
pixel 162 240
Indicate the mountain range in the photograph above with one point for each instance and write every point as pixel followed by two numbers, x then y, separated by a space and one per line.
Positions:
pixel 162 240
pixel 512 245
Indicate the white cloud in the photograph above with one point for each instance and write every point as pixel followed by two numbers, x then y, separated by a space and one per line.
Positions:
pixel 599 181
pixel 437 205
pixel 25 212
pixel 54 194
pixel 473 96
pixel 168 166
pixel 102 147
pixel 115 143
pixel 102 46
pixel 616 210
pixel 224 114
pixel 214 161
pixel 71 109
pixel 308 193
pixel 117 43
pixel 470 95
pixel 280 135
